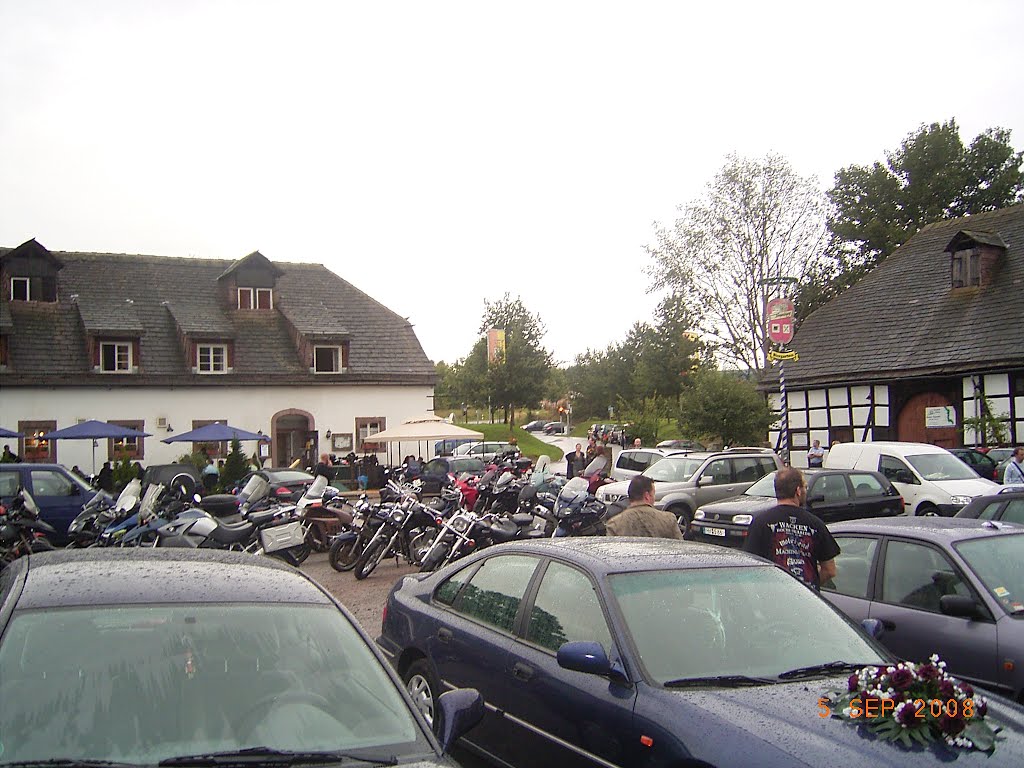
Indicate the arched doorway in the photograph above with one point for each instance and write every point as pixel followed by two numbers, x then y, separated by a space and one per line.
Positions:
pixel 294 437
pixel 910 424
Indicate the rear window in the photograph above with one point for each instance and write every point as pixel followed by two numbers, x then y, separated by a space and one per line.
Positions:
pixel 289 477
pixel 673 469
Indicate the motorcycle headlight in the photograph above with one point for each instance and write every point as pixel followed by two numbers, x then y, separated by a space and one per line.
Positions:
pixel 460 524
pixel 398 516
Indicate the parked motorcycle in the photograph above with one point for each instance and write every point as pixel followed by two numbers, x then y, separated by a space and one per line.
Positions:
pixel 578 512
pixel 407 532
pixel 21 530
pixel 348 545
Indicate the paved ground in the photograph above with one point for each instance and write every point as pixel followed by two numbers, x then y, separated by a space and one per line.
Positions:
pixel 365 599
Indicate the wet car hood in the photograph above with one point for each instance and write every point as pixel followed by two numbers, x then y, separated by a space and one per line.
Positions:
pixel 781 724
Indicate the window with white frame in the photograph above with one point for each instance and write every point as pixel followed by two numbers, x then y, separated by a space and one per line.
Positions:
pixel 115 357
pixel 211 358
pixel 366 428
pixel 327 360
pixel 255 298
pixel 21 289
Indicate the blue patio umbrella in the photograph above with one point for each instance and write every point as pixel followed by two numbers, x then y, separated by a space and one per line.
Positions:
pixel 93 430
pixel 9 433
pixel 216 433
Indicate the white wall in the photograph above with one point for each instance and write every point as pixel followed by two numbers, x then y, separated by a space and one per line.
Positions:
pixel 252 408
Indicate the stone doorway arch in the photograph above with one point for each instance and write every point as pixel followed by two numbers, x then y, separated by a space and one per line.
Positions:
pixel 910 424
pixel 293 436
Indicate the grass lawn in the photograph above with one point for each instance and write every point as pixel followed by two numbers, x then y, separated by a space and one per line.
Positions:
pixel 528 444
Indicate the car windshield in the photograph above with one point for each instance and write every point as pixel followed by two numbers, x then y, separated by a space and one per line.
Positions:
pixel 671 469
pixel 763 487
pixel 941 466
pixel 142 684
pixel 998 561
pixel 750 621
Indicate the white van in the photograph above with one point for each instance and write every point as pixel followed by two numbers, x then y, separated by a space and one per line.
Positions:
pixel 931 480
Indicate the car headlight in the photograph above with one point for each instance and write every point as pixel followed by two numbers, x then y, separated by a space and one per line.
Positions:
pixel 960 500
pixel 743 519
pixel 698 515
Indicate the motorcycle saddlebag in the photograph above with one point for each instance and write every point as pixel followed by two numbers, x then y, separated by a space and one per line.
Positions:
pixel 282 536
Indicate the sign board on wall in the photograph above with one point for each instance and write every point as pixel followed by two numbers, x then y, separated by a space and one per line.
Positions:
pixel 940 416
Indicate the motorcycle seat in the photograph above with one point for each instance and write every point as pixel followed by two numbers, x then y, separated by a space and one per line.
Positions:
pixel 261 516
pixel 232 534
pixel 522 519
pixel 504 530
pixel 220 504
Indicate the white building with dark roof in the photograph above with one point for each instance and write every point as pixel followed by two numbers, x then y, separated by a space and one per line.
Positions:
pixel 938 325
pixel 168 344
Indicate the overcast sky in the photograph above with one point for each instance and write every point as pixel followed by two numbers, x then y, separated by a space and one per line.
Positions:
pixel 437 154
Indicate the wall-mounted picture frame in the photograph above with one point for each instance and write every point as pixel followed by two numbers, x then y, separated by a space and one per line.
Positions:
pixel 341 442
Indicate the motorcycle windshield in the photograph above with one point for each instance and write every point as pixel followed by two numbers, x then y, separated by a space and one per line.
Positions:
pixel 129 496
pixel 573 492
pixel 254 490
pixel 149 499
pixel 30 503
pixel 316 488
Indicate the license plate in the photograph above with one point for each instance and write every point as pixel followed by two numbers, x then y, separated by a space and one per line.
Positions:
pixel 715 531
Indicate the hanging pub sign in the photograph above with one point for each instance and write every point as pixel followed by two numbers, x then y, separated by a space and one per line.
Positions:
pixel 780 317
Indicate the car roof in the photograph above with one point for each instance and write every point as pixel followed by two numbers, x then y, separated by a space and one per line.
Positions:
pixel 614 554
pixel 133 576
pixel 934 529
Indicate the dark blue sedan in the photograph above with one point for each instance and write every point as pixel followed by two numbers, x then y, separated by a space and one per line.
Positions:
pixel 643 652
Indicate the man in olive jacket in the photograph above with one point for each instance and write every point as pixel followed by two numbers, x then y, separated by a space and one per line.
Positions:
pixel 640 518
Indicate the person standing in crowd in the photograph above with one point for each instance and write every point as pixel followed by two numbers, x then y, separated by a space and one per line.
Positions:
pixel 791 537
pixel 591 448
pixel 574 462
pixel 210 475
pixel 105 478
pixel 9 457
pixel 641 518
pixel 637 442
pixel 815 455
pixel 1014 472
pixel 323 468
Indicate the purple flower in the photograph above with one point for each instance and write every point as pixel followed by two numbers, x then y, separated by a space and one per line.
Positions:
pixel 980 707
pixel 951 726
pixel 947 690
pixel 928 672
pixel 853 683
pixel 906 715
pixel 967 689
pixel 901 679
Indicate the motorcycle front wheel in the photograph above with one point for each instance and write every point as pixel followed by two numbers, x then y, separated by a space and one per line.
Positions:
pixel 420 545
pixel 344 553
pixel 370 558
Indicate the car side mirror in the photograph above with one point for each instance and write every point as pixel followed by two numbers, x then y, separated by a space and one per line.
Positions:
pixel 584 656
pixel 904 476
pixel 461 709
pixel 818 498
pixel 873 627
pixel 959 606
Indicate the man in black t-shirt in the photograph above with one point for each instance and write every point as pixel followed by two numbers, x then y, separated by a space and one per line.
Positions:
pixel 791 537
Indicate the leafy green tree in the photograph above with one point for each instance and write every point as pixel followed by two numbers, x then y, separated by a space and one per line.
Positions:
pixel 124 472
pixel 758 221
pixel 517 377
pixel 724 405
pixel 235 466
pixel 929 177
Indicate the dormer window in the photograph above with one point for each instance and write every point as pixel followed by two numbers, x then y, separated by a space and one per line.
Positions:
pixel 333 359
pixel 966 268
pixel 212 359
pixel 116 357
pixel 255 298
pixel 21 289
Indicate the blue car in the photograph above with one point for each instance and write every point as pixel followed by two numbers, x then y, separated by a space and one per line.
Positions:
pixel 645 652
pixel 60 493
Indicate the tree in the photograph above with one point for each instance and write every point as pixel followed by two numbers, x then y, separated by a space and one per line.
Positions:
pixel 931 176
pixel 517 377
pixel 721 404
pixel 759 221
pixel 235 466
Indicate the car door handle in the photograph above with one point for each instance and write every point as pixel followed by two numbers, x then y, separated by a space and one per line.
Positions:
pixel 444 635
pixel 522 671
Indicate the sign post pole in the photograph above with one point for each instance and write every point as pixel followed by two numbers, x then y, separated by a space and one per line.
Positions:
pixel 780 325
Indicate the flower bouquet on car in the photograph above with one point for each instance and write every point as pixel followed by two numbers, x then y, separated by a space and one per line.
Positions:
pixel 915 704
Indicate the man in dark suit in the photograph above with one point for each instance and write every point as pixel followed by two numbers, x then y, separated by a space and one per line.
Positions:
pixel 574 462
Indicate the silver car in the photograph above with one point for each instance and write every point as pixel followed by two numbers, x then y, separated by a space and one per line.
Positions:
pixel 686 481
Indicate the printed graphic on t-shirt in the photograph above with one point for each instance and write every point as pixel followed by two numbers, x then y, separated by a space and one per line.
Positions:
pixel 792 548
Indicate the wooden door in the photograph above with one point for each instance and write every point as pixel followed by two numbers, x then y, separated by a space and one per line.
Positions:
pixel 910 424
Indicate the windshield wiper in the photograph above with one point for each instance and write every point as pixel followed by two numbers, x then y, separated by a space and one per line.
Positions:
pixel 724 681
pixel 818 669
pixel 266 756
pixel 62 761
